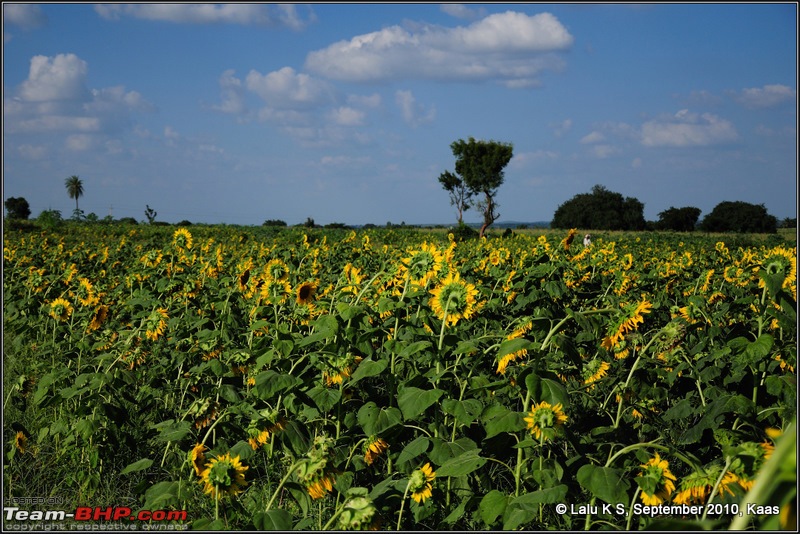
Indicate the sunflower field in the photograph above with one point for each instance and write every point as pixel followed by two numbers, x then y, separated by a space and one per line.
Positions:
pixel 389 379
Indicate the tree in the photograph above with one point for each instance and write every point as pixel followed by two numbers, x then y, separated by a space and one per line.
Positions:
pixel 739 217
pixel 459 194
pixel 678 219
pixel 600 210
pixel 17 208
pixel 480 164
pixel 74 189
pixel 150 213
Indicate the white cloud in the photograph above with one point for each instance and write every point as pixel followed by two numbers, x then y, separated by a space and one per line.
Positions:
pixel 687 129
pixel 461 11
pixel 32 152
pixel 594 137
pixel 510 47
pixel 347 116
pixel 232 94
pixel 24 16
pixel 287 88
pixel 523 159
pixel 767 96
pixel 367 101
pixel 242 14
pixel 603 151
pixel 560 128
pixel 79 142
pixel 62 77
pixel 413 114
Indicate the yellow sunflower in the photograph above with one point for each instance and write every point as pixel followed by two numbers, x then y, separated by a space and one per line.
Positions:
pixel 20 441
pixel 656 481
pixel 420 483
pixel 197 457
pixel 305 293
pixel 223 475
pixel 182 239
pixel 85 293
pixel 374 448
pixel 454 299
pixel 321 486
pixel 422 265
pixel 156 324
pixel 99 317
pixel 594 371
pixel 60 309
pixel 545 419
pixel 631 320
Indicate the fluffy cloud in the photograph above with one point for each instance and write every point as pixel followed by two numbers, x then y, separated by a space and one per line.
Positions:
pixel 764 97
pixel 461 11
pixel 25 16
pixel 62 77
pixel 347 116
pixel 594 137
pixel 414 114
pixel 243 14
pixel 512 47
pixel 687 129
pixel 286 88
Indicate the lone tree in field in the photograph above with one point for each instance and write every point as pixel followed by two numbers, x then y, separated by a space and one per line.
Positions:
pixel 17 208
pixel 480 164
pixel 739 216
pixel 459 194
pixel 600 210
pixel 74 189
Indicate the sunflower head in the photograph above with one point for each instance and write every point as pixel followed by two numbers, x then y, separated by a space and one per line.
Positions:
pixel 197 456
pixel 60 309
pixel 656 481
pixel 305 293
pixel 544 420
pixel 419 484
pixel 454 299
pixel 223 475
pixel 182 239
pixel 358 512
pixel 373 448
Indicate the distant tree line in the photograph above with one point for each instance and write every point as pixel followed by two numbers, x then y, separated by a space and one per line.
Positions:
pixel 602 209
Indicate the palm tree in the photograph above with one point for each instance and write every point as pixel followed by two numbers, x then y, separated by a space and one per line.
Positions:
pixel 74 188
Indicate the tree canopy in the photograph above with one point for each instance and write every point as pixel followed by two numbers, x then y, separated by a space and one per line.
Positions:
pixel 479 166
pixel 600 210
pixel 739 216
pixel 17 208
pixel 678 219
pixel 74 188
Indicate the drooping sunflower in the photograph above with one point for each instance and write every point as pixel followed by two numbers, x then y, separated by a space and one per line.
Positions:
pixel 318 488
pixel 374 448
pixel 544 420
pixel 422 265
pixel 454 299
pixel 20 441
pixel 305 292
pixel 420 483
pixel 182 239
pixel 60 309
pixel 223 475
pixel 197 456
pixel 570 236
pixel 656 481
pixel 98 318
pixel 152 258
pixel 696 486
pixel 594 371
pixel 156 324
pixel 630 321
pixel 352 279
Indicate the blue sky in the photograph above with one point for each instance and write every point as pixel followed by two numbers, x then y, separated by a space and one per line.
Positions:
pixel 240 113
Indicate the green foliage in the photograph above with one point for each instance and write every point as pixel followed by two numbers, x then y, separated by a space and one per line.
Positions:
pixel 74 187
pixel 600 210
pixel 274 222
pixel 678 219
pixel 17 208
pixel 459 193
pixel 739 216
pixel 50 218
pixel 150 213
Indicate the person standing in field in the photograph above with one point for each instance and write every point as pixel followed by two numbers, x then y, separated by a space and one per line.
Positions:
pixel 587 240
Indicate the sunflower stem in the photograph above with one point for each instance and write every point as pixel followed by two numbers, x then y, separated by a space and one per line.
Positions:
pixel 518 471
pixel 289 473
pixel 728 461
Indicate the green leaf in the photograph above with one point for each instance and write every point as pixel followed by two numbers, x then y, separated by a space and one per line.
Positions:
pixel 269 383
pixel 172 431
pixel 139 465
pixel 413 401
pixel 325 398
pixel 511 346
pixel 498 419
pixel 412 450
pixel 492 506
pixel 368 368
pixel 443 451
pixel 464 411
pixel 546 390
pixel 545 496
pixel 605 483
pixel 376 420
pixel 414 348
pixel 462 464
pixel 243 450
pixel 276 519
pixel 161 495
